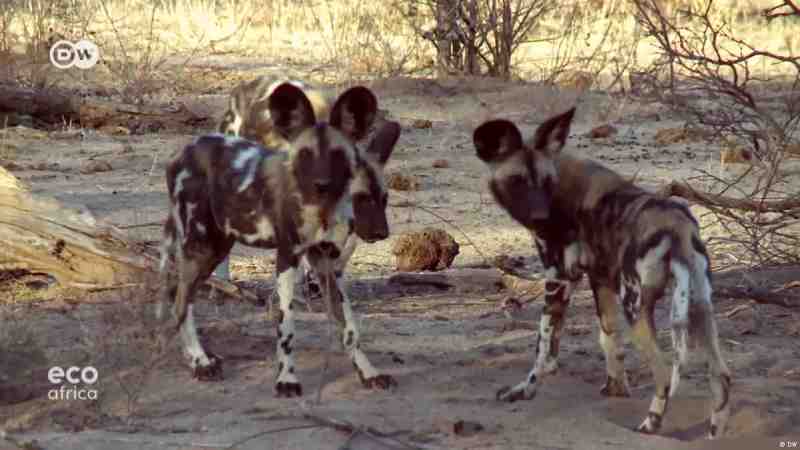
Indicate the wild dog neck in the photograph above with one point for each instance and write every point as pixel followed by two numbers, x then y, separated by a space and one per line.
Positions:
pixel 581 183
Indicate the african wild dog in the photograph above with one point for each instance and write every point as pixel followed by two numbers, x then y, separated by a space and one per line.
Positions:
pixel 248 116
pixel 225 189
pixel 586 218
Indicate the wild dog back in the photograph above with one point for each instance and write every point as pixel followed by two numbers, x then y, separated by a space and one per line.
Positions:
pixel 248 113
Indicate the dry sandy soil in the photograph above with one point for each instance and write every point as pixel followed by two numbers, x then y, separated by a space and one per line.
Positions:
pixel 450 349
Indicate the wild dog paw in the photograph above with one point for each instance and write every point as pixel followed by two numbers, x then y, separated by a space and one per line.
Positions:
pixel 288 389
pixel 379 382
pixel 210 372
pixel 651 424
pixel 513 393
pixel 615 388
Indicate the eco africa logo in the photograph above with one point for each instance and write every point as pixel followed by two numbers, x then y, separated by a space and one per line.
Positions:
pixel 82 54
pixel 74 376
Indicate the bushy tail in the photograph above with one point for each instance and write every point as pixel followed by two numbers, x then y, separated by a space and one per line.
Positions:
pixel 690 270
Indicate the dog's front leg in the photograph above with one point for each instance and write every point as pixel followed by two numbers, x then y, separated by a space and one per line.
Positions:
pixel 287 383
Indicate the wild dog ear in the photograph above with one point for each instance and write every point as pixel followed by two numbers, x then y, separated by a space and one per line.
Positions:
pixel 290 110
pixel 382 144
pixel 551 136
pixel 354 112
pixel 496 138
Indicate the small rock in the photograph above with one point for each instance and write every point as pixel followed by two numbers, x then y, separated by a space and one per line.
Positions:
pixel 793 150
pixel 466 428
pixel 669 136
pixel 401 182
pixel 115 130
pixel 735 155
pixel 45 166
pixel 430 249
pixel 602 131
pixel 508 262
pixel 422 123
pixel 10 165
pixel 441 164
pixel 95 166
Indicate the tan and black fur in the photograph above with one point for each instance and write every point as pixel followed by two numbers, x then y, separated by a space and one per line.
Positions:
pixel 587 219
pixel 224 190
pixel 248 115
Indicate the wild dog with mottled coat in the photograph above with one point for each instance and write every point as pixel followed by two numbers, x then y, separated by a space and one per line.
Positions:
pixel 225 189
pixel 248 116
pixel 587 219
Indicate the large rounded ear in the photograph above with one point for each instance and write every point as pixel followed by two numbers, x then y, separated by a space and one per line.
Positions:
pixel 290 110
pixel 496 138
pixel 551 136
pixel 382 144
pixel 354 112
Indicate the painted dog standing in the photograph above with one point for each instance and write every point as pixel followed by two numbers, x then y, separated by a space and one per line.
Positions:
pixel 225 189
pixel 585 218
pixel 248 115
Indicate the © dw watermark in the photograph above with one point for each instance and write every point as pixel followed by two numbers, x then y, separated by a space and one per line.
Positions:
pixel 73 376
pixel 83 54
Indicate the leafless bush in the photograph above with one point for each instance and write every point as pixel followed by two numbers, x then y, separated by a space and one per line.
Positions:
pixel 470 34
pixel 718 77
pixel 364 38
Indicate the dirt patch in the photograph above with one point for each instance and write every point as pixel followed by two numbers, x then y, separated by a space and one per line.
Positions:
pixel 449 343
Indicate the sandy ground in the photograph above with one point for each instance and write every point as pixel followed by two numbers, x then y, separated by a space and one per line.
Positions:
pixel 450 350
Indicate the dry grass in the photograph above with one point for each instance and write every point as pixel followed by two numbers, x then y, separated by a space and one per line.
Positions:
pixel 146 45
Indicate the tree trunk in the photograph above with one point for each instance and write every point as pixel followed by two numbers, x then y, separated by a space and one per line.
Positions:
pixel 42 236
pixel 444 37
pixel 471 64
pixel 39 235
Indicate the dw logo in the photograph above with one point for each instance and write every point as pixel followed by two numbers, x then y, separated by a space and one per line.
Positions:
pixel 82 54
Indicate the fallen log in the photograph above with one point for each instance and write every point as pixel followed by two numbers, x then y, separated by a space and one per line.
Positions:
pixel 683 190
pixel 50 106
pixel 56 107
pixel 39 235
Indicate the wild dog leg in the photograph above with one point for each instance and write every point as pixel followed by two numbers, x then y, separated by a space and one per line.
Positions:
pixel 287 383
pixel 557 297
pixel 644 337
pixel 607 304
pixel 194 266
pixel 168 282
pixel 342 312
pixel 370 377
pixel 719 376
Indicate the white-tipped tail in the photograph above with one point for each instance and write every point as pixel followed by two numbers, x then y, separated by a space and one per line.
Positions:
pixel 680 321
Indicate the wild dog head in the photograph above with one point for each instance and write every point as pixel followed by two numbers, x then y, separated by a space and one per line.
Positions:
pixel 523 173
pixel 368 190
pixel 322 153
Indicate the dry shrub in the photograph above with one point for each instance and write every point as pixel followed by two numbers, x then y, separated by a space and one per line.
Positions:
pixel 401 182
pixel 705 59
pixel 365 38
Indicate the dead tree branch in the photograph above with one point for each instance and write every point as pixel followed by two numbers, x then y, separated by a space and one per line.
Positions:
pixel 774 11
pixel 707 60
